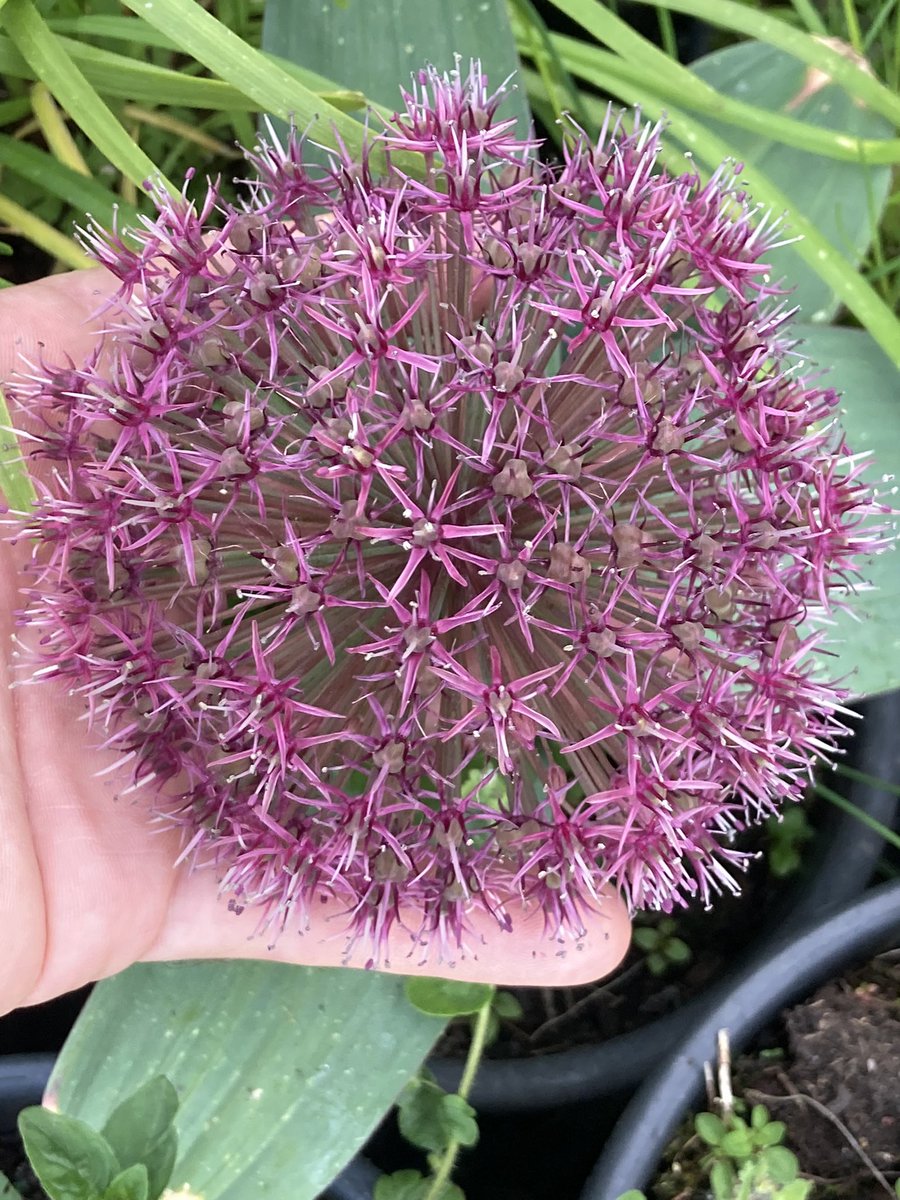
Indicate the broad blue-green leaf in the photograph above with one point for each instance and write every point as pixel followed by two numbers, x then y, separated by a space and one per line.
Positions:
pixel 72 1160
pixel 374 46
pixel 843 199
pixel 281 1072
pixel 866 639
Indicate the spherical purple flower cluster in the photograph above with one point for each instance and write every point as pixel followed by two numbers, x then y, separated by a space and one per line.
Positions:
pixel 448 531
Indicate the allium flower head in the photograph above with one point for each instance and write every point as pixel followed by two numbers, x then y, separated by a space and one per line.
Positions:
pixel 447 532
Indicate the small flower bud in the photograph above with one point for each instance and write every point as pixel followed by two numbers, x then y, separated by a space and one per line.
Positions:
pixel 514 480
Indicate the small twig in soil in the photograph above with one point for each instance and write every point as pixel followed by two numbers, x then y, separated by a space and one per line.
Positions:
pixel 557 1019
pixel 726 1092
pixel 721 1098
pixel 835 1120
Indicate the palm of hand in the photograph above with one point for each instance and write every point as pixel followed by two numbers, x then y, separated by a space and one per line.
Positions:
pixel 87 884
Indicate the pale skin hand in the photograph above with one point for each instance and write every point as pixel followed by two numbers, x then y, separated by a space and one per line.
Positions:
pixel 87 885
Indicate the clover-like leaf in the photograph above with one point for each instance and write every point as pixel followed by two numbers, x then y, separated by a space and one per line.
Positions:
pixel 447 997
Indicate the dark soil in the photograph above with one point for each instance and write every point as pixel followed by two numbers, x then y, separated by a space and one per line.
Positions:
pixel 15 1167
pixel 555 1019
pixel 25 263
pixel 839 1083
pixel 830 1070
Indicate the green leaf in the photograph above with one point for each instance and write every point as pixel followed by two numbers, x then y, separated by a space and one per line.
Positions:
pixel 282 1071
pixel 677 951
pixel 47 57
pixel 447 997
pixel 710 1128
pixel 737 1143
pixel 72 1160
pixel 759 1116
pixel 645 937
pixel 401 1185
pixel 376 45
pixel 780 1164
pixel 140 1131
pixel 799 1189
pixel 50 175
pixel 461 1120
pixel 507 1006
pixel 632 1195
pixel 722 1179
pixel 430 1118
pixel 16 488
pixel 864 642
pixel 130 1184
pixel 844 200
pixel 770 1134
pixel 126 78
pixel 199 34
pixel 854 77
pixel 7 1191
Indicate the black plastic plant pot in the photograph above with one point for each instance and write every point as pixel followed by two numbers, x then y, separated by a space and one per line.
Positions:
pixel 778 976
pixel 839 866
pixel 23 1078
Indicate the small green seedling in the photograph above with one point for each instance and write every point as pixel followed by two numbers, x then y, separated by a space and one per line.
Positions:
pixel 130 1159
pixel 787 836
pixel 746 1160
pixel 662 947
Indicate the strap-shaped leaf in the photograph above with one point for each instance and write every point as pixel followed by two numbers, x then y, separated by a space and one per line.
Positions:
pixel 843 200
pixel 198 33
pixel 47 57
pixel 376 45
pixel 281 1072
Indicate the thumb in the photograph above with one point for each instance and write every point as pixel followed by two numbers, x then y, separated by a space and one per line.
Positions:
pixel 53 319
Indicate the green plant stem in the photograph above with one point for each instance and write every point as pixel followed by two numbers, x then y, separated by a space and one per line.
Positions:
pixel 15 482
pixel 854 34
pixel 667 32
pixel 764 27
pixel 441 1177
pixel 651 69
pixel 806 11
pixel 883 785
pixel 842 802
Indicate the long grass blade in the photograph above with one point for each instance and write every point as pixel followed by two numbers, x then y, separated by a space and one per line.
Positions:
pixel 47 57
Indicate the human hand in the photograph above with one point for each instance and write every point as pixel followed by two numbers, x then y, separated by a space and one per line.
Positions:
pixel 87 883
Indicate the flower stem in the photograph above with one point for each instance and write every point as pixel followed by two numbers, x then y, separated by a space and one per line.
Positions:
pixel 442 1175
pixel 840 801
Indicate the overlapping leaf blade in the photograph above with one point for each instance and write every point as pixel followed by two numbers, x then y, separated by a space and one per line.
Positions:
pixel 281 1071
pixel 843 199
pixel 376 45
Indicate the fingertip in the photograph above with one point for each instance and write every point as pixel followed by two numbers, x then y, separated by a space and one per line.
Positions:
pixel 200 925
